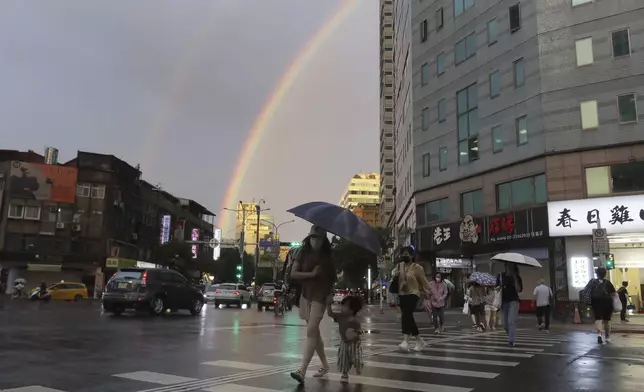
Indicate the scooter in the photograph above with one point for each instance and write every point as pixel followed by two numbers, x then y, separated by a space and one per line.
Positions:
pixel 279 303
pixel 36 295
pixel 18 291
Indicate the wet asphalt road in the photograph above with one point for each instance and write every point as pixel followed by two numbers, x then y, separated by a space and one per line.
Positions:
pixel 73 347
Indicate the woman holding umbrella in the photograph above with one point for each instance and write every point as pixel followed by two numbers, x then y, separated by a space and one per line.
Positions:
pixel 314 269
pixel 511 285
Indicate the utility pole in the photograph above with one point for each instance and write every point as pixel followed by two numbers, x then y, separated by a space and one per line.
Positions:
pixel 276 242
pixel 258 209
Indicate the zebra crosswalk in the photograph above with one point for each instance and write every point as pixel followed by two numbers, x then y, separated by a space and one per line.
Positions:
pixel 456 361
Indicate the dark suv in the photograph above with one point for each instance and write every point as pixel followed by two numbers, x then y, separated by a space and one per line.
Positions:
pixel 150 289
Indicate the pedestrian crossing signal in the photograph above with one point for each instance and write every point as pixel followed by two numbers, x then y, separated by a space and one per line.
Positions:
pixel 610 261
pixel 239 268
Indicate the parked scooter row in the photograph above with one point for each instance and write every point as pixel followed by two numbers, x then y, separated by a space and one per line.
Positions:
pixel 37 294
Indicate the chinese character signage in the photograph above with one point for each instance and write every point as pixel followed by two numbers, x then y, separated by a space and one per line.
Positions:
pixel 471 232
pixel 522 225
pixel 617 215
pixel 165 229
pixel 581 271
pixel 194 236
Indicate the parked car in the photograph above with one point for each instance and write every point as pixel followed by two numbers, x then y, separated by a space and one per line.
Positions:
pixel 67 291
pixel 229 294
pixel 151 289
pixel 265 296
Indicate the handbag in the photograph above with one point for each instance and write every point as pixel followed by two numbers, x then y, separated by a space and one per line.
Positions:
pixel 466 308
pixel 393 285
pixel 617 303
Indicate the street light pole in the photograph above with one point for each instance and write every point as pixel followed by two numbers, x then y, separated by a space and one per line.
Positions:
pixel 277 228
pixel 258 209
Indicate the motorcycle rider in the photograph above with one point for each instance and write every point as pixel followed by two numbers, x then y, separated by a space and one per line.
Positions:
pixel 43 289
pixel 18 287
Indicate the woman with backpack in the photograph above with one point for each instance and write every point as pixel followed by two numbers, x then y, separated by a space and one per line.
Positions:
pixel 409 277
pixel 600 291
pixel 314 270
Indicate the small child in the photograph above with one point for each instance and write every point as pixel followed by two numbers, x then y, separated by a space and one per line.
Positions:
pixel 350 351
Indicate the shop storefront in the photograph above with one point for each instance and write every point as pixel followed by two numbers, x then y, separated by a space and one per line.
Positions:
pixel 36 273
pixel 478 239
pixel 622 217
pixel 456 270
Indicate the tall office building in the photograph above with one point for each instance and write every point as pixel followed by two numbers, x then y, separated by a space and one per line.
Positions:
pixel 405 218
pixel 524 111
pixel 362 189
pixel 248 220
pixel 387 181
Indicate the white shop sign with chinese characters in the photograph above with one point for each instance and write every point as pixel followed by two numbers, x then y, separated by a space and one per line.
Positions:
pixel 618 215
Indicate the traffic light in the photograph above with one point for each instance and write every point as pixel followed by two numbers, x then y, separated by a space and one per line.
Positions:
pixel 610 261
pixel 239 272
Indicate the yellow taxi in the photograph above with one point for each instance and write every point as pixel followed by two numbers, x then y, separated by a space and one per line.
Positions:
pixel 68 291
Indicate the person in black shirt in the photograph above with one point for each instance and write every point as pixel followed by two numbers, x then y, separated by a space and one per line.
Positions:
pixel 511 285
pixel 623 298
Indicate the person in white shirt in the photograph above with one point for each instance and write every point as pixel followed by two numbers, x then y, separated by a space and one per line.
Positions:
pixel 542 295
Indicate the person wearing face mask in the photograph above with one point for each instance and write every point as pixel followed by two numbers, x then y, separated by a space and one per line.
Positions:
pixel 314 269
pixel 437 295
pixel 411 281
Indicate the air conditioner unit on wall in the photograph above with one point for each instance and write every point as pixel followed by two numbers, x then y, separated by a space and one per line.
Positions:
pixel 60 225
pixel 77 227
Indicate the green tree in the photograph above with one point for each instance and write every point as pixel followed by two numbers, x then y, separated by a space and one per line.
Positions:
pixel 354 261
pixel 226 266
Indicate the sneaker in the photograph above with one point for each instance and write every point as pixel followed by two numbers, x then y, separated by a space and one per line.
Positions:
pixel 599 339
pixel 344 378
pixel 404 346
pixel 512 344
pixel 547 330
pixel 442 329
pixel 420 345
pixel 437 331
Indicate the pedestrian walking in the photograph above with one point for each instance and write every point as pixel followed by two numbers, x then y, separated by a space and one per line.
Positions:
pixel 315 270
pixel 438 292
pixel 350 350
pixel 511 285
pixel 601 292
pixel 3 289
pixel 623 298
pixel 410 279
pixel 492 307
pixel 542 295
pixel 476 300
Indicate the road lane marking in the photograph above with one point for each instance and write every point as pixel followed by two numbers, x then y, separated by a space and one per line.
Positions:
pixel 396 384
pixel 238 388
pixel 488 346
pixel 155 378
pixel 455 350
pixel 32 388
pixel 430 369
pixel 476 361
pixel 238 365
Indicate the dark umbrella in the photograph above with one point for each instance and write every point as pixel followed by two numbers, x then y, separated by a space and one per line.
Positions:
pixel 341 222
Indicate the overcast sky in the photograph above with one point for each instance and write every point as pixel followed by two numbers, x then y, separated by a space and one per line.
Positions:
pixel 175 85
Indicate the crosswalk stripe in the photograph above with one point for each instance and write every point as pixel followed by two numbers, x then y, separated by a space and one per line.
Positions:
pixel 396 384
pixel 156 378
pixel 238 365
pixel 488 346
pixel 431 369
pixel 32 388
pixel 484 342
pixel 238 388
pixel 451 359
pixel 454 350
pixel 530 342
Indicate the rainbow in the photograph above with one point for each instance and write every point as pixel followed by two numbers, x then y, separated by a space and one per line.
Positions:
pixel 272 105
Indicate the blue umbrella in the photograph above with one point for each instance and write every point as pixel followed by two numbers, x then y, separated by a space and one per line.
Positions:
pixel 341 222
pixel 482 278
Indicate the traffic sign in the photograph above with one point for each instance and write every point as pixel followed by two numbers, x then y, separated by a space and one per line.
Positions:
pixel 266 244
pixel 381 261
pixel 600 241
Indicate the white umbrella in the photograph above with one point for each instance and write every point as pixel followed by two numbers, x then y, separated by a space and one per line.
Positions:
pixel 517 258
